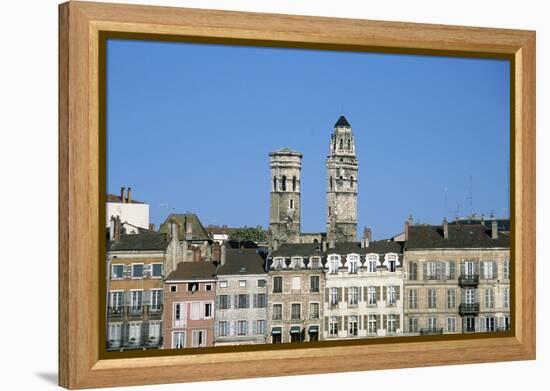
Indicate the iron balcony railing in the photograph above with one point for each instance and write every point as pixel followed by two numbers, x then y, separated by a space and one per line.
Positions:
pixel 468 309
pixel 468 280
pixel 115 311
pixel 431 331
pixel 144 342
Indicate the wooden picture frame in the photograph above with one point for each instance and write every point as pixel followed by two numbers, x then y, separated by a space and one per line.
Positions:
pixel 82 162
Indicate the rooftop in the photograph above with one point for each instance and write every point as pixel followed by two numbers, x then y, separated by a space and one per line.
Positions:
pixel 192 271
pixel 342 123
pixel 241 261
pixel 198 231
pixel 143 241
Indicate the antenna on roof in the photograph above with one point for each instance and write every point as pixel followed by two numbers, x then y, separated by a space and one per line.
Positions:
pixel 470 196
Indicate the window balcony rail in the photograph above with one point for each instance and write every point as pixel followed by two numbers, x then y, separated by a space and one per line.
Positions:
pixel 468 280
pixel 431 331
pixel 115 311
pixel 135 310
pixel 468 309
pixel 154 309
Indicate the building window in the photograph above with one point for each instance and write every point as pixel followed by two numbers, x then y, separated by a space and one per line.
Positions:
pixel 260 326
pixel 178 340
pixel 278 263
pixel 115 301
pixel 331 185
pixel 413 325
pixel 242 327
pixel 470 324
pixel 506 298
pixel 349 144
pixel 372 325
pixel 261 300
pixel 134 333
pixel 314 284
pixel 489 298
pixel 333 326
pixel 277 311
pixel 506 272
pixel 295 283
pixel 278 284
pixel 432 323
pixel 156 300
pixel 291 203
pixel 431 270
pixel 392 323
pixel 223 284
pixel 178 315
pixel 413 271
pixel 295 311
pixel 432 298
pixel 451 298
pixel 334 263
pixel 242 283
pixel 391 295
pixel 468 268
pixel 136 301
pixel 261 283
pixel 333 296
pixel 242 301
pixel 451 324
pixel 353 263
pixel 352 325
pixel 192 286
pixel 315 263
pixel 223 301
pixel 156 270
pixel 353 296
pixel 341 143
pixel 371 295
pixel 173 288
pixel 283 183
pixel 469 296
pixel 294 183
pixel 223 328
pixel 489 270
pixel 372 260
pixel 199 338
pixel 137 270
pixel 330 210
pixel 274 183
pixel 392 262
pixel 115 334
pixel 207 310
pixel 490 324
pixel 314 310
pixel 413 299
pixel 351 182
pixel 208 287
pixel 117 272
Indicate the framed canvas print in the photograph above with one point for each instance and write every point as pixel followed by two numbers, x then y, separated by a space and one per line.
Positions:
pixel 258 192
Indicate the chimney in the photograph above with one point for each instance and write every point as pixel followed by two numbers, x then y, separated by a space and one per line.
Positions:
pixel 189 228
pixel 122 191
pixel 408 223
pixel 112 223
pixel 223 254
pixel 129 198
pixel 445 228
pixel 482 221
pixel 196 254
pixel 151 226
pixel 331 243
pixel 324 246
pixel 117 228
pixel 275 244
pixel 494 229
pixel 174 229
pixel 367 235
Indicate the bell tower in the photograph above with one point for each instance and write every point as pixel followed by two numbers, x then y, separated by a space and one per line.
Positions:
pixel 284 203
pixel 342 169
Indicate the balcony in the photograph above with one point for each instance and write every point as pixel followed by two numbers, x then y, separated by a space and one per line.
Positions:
pixel 468 309
pixel 431 331
pixel 135 310
pixel 154 309
pixel 115 312
pixel 468 280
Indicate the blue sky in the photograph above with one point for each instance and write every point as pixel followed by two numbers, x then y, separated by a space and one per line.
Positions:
pixel 190 126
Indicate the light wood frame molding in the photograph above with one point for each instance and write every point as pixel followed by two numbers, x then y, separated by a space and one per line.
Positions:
pixel 81 364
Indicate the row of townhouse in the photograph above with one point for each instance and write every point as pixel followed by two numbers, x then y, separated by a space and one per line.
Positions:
pixel 436 279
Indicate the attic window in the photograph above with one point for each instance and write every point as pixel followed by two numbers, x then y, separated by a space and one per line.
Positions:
pixel 192 286
pixel 243 269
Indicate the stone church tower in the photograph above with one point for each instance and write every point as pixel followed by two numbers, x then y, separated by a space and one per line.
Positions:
pixel 342 168
pixel 284 203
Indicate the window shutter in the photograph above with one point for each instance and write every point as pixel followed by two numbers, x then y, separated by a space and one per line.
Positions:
pixel 346 294
pixel 377 290
pixel 365 321
pixel 127 271
pixel 217 303
pixel 452 270
pixel 147 270
pixel 253 328
pixel 384 321
pixel 359 323
pixel 247 301
pixel 424 270
pixel 438 270
pixel 483 324
pixel 476 324
pixel 236 301
pixel 385 293
pixel 339 291
pixel 127 298
pixel 476 267
pixel 378 324
pixel 255 300
pixel 326 323
pixel 397 292
pixel 398 321
pixel 495 270
pixel 364 289
pixel 327 294
pixel 217 329
pixel 346 326
pixel 126 332
pixel 339 323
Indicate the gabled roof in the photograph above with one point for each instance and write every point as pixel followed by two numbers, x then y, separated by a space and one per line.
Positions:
pixel 188 271
pixel 143 241
pixel 342 123
pixel 241 261
pixel 198 234
pixel 460 236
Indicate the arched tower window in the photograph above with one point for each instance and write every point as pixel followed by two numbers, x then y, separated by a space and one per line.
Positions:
pixel 293 183
pixel 349 144
pixel 283 183
pixel 274 183
pixel 341 144
pixel 330 183
pixel 351 182
pixel 291 203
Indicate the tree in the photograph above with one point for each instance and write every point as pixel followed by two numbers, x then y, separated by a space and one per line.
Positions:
pixel 248 234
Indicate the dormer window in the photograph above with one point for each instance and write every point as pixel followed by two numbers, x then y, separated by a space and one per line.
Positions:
pixel 296 263
pixel 353 263
pixel 315 263
pixel 372 260
pixel 333 264
pixel 278 263
pixel 391 260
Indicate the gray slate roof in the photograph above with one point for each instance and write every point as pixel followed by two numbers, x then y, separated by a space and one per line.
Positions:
pixel 460 236
pixel 342 123
pixel 144 241
pixel 188 271
pixel 199 233
pixel 241 261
